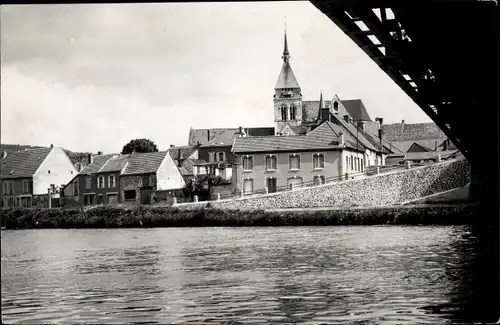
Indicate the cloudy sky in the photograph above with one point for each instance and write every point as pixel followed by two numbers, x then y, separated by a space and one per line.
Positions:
pixel 92 77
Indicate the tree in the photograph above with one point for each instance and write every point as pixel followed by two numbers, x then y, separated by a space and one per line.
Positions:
pixel 139 145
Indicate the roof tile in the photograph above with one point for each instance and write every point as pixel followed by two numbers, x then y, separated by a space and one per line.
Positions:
pixel 24 163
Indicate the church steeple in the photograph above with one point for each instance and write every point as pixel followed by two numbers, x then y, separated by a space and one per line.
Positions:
pixel 286 54
pixel 286 79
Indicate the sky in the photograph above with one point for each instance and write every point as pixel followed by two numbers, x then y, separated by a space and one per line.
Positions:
pixel 92 77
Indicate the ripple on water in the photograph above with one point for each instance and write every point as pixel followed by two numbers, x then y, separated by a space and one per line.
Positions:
pixel 344 275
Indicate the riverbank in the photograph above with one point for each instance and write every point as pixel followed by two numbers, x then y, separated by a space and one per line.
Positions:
pixel 148 216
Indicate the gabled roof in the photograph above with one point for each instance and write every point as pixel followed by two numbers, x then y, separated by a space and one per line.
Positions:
pixel 223 136
pixel 24 163
pixel 375 140
pixel 97 162
pixel 417 147
pixel 430 144
pixel 356 109
pixel 286 79
pixel 323 137
pixel 416 131
pixel 144 163
pixel 114 164
pixel 185 151
pixel 354 133
pixel 428 155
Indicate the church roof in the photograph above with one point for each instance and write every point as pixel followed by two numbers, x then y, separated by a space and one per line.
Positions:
pixel 356 109
pixel 286 78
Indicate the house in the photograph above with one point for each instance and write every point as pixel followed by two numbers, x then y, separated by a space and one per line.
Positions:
pixel 183 156
pixel 422 157
pixel 28 174
pixel 272 163
pixel 417 137
pixel 214 148
pixel 132 178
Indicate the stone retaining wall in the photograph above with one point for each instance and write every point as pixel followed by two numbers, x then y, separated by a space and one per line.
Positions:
pixel 380 190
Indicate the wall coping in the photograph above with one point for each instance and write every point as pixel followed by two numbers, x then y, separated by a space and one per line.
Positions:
pixel 250 197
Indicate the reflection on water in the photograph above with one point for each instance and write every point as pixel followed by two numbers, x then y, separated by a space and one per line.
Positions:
pixel 191 275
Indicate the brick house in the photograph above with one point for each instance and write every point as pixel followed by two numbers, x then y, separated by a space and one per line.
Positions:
pixel 134 178
pixel 27 175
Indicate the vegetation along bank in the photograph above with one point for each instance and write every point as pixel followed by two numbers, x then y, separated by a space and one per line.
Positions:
pixel 150 216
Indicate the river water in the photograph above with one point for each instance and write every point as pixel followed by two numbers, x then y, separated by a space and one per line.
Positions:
pixel 235 275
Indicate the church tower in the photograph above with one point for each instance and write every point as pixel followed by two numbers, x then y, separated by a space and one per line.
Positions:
pixel 287 96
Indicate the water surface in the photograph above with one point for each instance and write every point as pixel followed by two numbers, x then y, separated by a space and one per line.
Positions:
pixel 234 275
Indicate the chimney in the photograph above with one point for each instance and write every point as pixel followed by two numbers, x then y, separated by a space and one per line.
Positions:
pixel 341 139
pixel 172 145
pixel 346 118
pixel 208 135
pixel 99 153
pixel 4 154
pixel 90 158
pixel 241 131
pixel 51 146
pixel 361 125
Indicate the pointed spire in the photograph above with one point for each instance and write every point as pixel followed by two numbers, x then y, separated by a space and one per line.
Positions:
pixel 286 54
pixel 321 101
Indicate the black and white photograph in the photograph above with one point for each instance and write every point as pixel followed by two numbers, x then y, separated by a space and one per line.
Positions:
pixel 250 162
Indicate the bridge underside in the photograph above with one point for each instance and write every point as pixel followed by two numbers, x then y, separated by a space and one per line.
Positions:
pixel 444 55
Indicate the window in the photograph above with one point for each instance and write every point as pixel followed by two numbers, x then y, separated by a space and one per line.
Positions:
pixel 347 162
pixel 359 164
pixel 351 160
pixel 362 165
pixel 129 195
pixel 152 180
pixel 8 187
pixel 319 161
pixel 292 112
pixel 247 163
pixel 221 156
pixel 283 112
pixel 294 162
pixel 336 106
pixel 76 188
pixel 100 199
pixel 100 182
pixel 111 181
pixel 211 156
pixel 89 199
pixel 271 162
pixel 88 182
pixel 318 180
pixel 25 186
pixel 248 186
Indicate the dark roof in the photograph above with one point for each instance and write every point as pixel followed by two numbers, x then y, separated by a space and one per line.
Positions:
pixel 186 151
pixel 185 172
pixel 286 79
pixel 97 162
pixel 223 136
pixel 354 132
pixel 323 137
pixel 416 131
pixel 418 147
pixel 430 144
pixel 197 162
pixel 375 140
pixel 24 163
pixel 144 163
pixel 428 155
pixel 356 109
pixel 115 164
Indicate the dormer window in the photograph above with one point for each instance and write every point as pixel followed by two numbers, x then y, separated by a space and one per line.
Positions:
pixel 336 105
